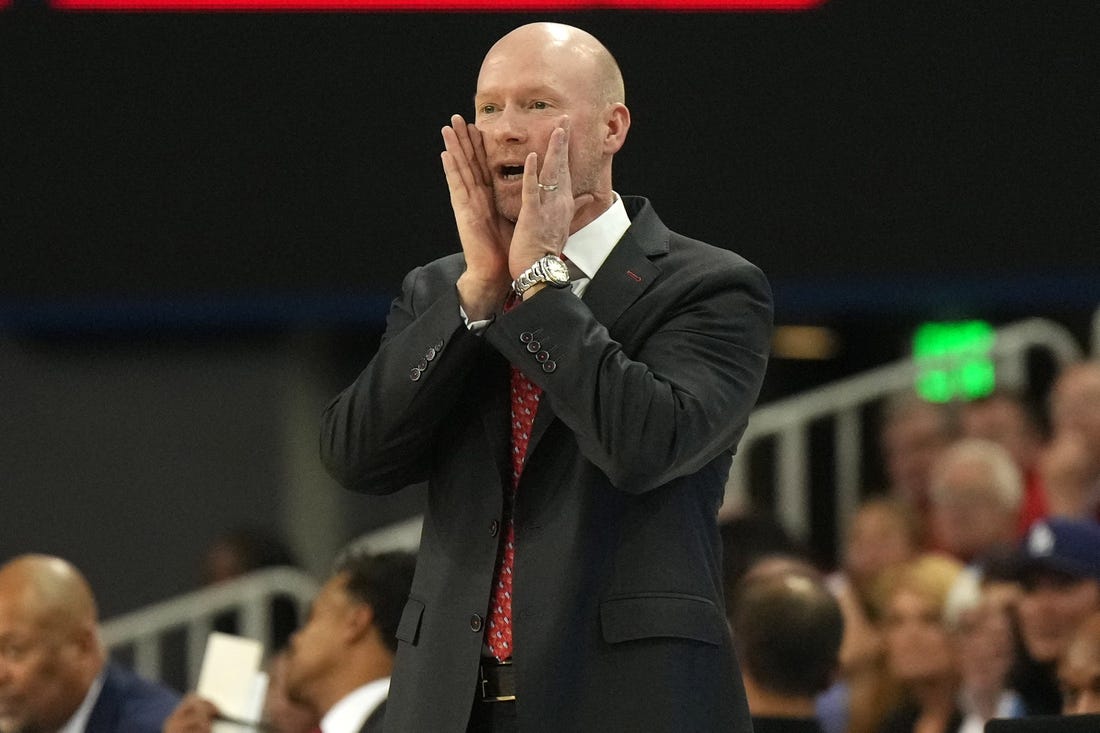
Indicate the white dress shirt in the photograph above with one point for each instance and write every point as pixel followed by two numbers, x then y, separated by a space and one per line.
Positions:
pixel 79 721
pixel 348 715
pixel 586 249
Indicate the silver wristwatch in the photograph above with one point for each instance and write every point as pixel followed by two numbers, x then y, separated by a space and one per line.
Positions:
pixel 550 269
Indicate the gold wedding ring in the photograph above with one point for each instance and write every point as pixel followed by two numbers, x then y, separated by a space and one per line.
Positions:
pixel 548 186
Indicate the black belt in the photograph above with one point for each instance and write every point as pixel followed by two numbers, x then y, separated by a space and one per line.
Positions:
pixel 496 681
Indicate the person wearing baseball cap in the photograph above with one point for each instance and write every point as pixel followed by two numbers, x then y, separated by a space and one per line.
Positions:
pixel 1059 573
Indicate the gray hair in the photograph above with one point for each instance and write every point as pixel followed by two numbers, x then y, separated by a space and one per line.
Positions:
pixel 1008 481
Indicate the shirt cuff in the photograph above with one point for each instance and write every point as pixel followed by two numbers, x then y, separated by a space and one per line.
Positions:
pixel 474 326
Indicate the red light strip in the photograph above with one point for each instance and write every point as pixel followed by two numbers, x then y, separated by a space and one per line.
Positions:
pixel 428 5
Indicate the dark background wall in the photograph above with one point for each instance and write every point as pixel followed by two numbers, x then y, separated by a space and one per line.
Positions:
pixel 202 217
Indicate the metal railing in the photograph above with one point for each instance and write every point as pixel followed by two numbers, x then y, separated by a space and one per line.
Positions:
pixel 143 633
pixel 788 423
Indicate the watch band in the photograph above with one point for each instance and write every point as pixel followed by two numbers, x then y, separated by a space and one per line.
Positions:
pixel 542 272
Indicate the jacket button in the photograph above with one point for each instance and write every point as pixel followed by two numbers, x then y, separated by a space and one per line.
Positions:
pixel 542 356
pixel 525 337
pixel 533 346
pixel 549 366
pixel 414 374
pixel 430 353
pixel 439 345
pixel 422 365
pixel 494 527
pixel 475 623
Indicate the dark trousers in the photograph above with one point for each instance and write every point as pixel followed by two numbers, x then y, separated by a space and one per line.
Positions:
pixel 493 717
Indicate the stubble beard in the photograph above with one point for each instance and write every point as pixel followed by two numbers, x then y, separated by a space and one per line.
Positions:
pixel 584 178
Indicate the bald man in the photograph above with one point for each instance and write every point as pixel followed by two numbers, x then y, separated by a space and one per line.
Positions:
pixel 572 386
pixel 54 673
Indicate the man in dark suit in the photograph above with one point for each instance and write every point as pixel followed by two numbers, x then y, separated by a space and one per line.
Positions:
pixel 597 489
pixel 339 663
pixel 54 673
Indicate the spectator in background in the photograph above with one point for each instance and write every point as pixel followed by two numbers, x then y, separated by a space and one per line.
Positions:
pixel 981 622
pixel 1070 465
pixel 787 629
pixel 242 550
pixel 912 435
pixel 921 654
pixel 1005 417
pixel 339 663
pixel 239 552
pixel 1079 670
pixel 976 491
pixel 54 672
pixel 882 533
pixel 1060 574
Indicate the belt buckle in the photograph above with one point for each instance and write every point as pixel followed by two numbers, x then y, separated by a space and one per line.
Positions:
pixel 483 683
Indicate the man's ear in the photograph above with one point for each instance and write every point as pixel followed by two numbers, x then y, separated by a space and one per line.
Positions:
pixel 360 621
pixel 85 642
pixel 618 122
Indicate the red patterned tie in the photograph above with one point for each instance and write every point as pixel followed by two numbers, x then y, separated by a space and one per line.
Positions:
pixel 525 403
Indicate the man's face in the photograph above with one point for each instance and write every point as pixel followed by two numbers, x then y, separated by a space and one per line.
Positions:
pixel 967 516
pixel 1075 407
pixel 877 539
pixel 524 92
pixel 911 444
pixel 1050 610
pixel 40 684
pixel 318 647
pixel 985 643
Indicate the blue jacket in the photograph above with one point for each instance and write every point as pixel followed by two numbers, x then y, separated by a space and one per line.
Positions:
pixel 130 704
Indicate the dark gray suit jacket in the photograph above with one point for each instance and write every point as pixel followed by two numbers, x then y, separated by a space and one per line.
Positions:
pixel 647 385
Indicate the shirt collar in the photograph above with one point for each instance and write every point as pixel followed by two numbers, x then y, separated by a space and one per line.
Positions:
pixel 590 245
pixel 348 715
pixel 79 722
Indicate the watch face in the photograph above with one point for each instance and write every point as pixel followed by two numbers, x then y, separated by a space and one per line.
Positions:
pixel 556 270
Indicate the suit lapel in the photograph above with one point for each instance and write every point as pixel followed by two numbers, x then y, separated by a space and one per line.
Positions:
pixel 624 276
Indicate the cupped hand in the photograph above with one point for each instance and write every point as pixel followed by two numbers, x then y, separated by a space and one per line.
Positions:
pixel 548 205
pixel 483 233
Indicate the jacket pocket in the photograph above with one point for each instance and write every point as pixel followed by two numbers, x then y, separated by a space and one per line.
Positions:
pixel 408 628
pixel 649 615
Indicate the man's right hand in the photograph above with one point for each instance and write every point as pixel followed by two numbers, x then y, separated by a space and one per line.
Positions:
pixel 193 715
pixel 484 234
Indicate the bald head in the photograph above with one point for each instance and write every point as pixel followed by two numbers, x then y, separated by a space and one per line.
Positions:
pixel 50 590
pixel 50 651
pixel 537 79
pixel 566 48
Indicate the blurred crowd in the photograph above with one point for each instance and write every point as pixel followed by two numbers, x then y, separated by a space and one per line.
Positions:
pixel 969 586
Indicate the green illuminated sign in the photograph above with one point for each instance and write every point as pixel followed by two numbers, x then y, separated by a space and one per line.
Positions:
pixel 954 360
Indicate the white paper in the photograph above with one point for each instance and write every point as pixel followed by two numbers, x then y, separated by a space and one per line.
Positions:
pixel 230 676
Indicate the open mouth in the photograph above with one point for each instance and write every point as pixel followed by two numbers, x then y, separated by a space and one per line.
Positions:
pixel 511 172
